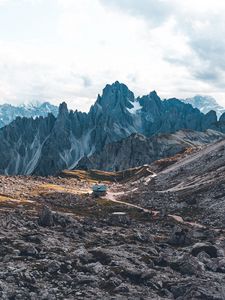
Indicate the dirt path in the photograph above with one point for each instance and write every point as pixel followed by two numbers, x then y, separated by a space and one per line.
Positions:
pixel 113 197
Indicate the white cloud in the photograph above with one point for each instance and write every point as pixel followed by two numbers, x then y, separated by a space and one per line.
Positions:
pixel 2 2
pixel 68 50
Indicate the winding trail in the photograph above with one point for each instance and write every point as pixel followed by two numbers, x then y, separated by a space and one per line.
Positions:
pixel 113 197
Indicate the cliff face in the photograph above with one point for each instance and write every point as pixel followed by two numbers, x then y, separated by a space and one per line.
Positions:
pixel 45 146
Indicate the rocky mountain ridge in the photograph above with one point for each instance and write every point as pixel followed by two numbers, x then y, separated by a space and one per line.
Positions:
pixel 138 150
pixel 45 146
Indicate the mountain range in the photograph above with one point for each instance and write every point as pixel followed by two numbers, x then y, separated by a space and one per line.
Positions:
pixel 47 145
pixel 9 113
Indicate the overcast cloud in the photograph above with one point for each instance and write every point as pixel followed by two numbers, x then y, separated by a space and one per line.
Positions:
pixel 67 50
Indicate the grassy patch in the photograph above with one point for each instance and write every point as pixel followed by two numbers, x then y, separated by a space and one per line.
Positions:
pixel 94 176
pixel 4 198
pixel 104 202
pixel 63 189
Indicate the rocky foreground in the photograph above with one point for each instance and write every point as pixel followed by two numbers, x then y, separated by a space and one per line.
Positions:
pixel 58 242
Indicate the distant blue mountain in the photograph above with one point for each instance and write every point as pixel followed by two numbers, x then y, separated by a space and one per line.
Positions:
pixel 205 104
pixel 8 112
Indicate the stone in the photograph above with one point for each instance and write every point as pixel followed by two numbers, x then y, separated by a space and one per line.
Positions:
pixel 53 267
pixel 101 255
pixel 203 256
pixel 122 288
pixel 29 250
pixel 188 265
pixel 119 218
pixel 95 268
pixel 206 247
pixel 46 217
pixel 179 237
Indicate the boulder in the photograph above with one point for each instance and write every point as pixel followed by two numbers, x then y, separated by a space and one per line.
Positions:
pixel 118 219
pixel 206 247
pixel 187 265
pixel 46 217
pixel 179 237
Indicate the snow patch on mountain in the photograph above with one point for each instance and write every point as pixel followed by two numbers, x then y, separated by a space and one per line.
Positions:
pixel 136 107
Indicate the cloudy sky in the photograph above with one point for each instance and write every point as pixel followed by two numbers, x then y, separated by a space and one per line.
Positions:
pixel 69 49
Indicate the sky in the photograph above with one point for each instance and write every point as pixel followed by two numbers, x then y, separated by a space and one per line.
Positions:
pixel 68 50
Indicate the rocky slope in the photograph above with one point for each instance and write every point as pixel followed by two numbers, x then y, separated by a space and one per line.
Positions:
pixel 159 236
pixel 51 144
pixel 137 150
pixel 205 104
pixel 9 113
pixel 194 183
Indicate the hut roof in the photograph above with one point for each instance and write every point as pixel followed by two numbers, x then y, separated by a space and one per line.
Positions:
pixel 99 188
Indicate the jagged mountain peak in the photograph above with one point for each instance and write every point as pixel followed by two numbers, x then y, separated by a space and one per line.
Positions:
pixel 153 94
pixel 63 109
pixel 116 86
pixel 149 99
pixel 116 94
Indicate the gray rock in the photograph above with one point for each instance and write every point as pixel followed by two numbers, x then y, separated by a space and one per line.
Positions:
pixel 95 268
pixel 53 267
pixel 118 219
pixel 206 247
pixel 29 250
pixel 179 237
pixel 102 255
pixel 46 217
pixel 188 265
pixel 203 257
pixel 122 288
